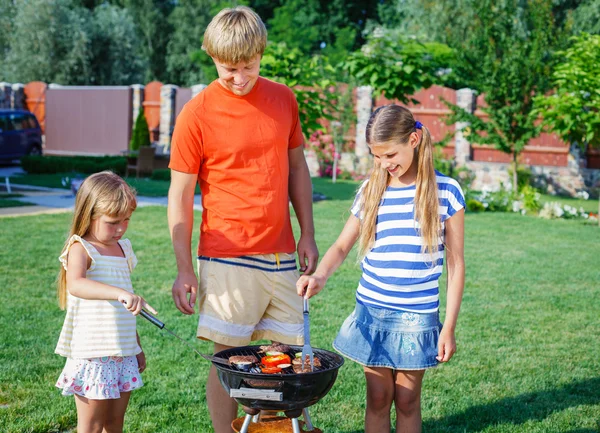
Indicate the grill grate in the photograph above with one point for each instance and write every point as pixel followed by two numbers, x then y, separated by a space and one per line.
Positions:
pixel 328 360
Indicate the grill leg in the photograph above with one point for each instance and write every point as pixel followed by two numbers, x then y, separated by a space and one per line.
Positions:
pixel 256 418
pixel 296 426
pixel 307 421
pixel 246 424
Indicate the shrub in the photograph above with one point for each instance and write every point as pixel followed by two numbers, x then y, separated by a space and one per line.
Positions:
pixel 161 174
pixel 441 164
pixel 140 135
pixel 553 210
pixel 531 198
pixel 324 148
pixel 524 176
pixel 475 205
pixel 45 164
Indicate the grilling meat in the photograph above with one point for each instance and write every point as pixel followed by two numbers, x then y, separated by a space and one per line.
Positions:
pixel 299 368
pixel 283 348
pixel 298 361
pixel 243 358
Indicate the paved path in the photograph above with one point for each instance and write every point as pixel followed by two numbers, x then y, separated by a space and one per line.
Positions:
pixel 53 200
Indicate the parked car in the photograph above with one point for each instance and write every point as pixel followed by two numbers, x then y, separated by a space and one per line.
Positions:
pixel 20 134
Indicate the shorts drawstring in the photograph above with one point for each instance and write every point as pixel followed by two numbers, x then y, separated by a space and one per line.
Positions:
pixel 277 260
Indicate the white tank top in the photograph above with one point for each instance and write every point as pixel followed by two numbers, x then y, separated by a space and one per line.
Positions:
pixel 94 328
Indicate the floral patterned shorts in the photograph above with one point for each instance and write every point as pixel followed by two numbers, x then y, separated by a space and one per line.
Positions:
pixel 100 378
pixel 378 337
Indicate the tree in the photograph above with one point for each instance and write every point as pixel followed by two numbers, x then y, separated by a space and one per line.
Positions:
pixel 155 30
pixel 186 63
pixel 573 110
pixel 392 65
pixel 50 42
pixel 586 18
pixel 7 15
pixel 140 135
pixel 60 41
pixel 116 58
pixel 295 23
pixel 306 78
pixel 507 56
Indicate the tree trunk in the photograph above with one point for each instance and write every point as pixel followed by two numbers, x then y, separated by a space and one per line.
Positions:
pixel 515 178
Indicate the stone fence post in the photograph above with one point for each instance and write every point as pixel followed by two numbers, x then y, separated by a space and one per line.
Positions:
pixel 197 89
pixel 465 99
pixel 168 93
pixel 18 97
pixel 5 95
pixel 364 107
pixel 137 101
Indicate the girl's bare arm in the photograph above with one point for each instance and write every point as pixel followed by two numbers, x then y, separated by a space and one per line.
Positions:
pixel 336 254
pixel 82 287
pixel 455 263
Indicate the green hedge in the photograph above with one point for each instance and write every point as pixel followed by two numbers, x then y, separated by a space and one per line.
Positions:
pixel 161 174
pixel 36 164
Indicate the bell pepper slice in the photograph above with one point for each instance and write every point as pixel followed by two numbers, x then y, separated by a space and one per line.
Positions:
pixel 274 361
pixel 270 370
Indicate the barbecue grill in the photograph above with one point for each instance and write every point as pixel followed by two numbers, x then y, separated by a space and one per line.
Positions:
pixel 289 392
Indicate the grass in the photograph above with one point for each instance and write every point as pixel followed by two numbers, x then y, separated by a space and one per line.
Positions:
pixel 528 356
pixel 7 200
pixel 144 186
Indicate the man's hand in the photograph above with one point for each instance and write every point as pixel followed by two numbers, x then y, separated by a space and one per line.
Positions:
pixel 185 283
pixel 308 254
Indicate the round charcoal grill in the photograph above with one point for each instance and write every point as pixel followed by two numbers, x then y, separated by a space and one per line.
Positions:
pixel 285 391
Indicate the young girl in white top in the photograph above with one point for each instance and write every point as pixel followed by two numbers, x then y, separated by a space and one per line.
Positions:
pixel 99 338
pixel 404 217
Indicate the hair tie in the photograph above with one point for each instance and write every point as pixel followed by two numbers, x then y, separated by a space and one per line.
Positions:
pixel 418 125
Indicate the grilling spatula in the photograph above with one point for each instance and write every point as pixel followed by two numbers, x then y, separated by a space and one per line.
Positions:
pixel 161 325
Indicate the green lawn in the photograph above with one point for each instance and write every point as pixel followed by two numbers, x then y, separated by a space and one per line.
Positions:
pixel 528 355
pixel 144 186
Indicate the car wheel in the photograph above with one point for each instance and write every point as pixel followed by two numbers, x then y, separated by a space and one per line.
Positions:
pixel 35 149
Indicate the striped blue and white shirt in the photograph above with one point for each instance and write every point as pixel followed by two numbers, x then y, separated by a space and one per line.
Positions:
pixel 397 275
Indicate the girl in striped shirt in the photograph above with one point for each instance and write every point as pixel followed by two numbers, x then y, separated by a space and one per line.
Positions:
pixel 99 338
pixel 404 217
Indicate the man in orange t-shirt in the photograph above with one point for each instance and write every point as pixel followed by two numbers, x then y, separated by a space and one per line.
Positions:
pixel 241 140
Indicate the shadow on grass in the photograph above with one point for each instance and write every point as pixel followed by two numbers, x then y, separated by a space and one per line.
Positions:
pixel 535 406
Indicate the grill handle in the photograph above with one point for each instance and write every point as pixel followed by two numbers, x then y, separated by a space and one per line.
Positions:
pixel 152 319
pixel 256 394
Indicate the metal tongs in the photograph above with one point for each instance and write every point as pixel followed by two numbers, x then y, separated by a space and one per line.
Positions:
pixel 161 325
pixel 307 349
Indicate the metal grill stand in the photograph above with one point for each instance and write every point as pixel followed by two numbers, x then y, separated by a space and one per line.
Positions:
pixel 252 417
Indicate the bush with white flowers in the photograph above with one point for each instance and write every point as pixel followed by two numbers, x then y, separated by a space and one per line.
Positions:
pixel 553 210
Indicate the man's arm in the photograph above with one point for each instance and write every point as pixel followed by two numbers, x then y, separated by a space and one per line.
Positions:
pixel 300 190
pixel 180 211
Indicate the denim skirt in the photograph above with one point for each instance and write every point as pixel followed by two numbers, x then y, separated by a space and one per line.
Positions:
pixel 401 340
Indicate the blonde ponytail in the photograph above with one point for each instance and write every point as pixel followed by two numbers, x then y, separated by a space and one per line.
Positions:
pixel 426 197
pixel 370 199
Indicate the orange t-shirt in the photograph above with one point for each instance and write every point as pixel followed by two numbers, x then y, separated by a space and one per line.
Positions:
pixel 239 146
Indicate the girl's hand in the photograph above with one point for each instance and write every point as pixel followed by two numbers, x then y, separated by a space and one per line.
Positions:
pixel 446 345
pixel 309 285
pixel 134 303
pixel 141 359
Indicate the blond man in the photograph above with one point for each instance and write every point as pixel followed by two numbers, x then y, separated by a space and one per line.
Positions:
pixel 240 139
